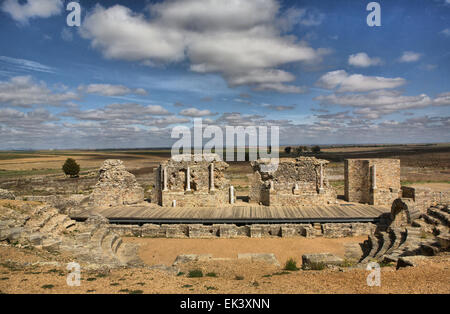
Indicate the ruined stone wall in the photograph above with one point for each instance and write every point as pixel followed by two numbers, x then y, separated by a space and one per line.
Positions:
pixel 328 230
pixel 115 186
pixel 296 181
pixel 199 191
pixel 425 197
pixel 372 181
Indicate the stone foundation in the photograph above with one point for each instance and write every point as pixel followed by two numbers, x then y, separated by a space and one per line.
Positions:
pixel 425 197
pixel 199 231
pixel 372 181
pixel 296 181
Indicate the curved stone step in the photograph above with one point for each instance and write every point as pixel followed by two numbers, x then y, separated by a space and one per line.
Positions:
pixel 386 244
pixel 107 244
pixel 440 215
pixel 399 237
pixel 374 245
pixel 116 245
pixel 36 223
pixel 431 220
pixel 56 222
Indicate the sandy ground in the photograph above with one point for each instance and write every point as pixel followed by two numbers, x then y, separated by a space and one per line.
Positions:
pixel 155 251
pixel 231 277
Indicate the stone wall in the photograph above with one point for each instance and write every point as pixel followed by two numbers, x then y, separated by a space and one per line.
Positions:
pixel 296 181
pixel 425 197
pixel 191 180
pixel 328 230
pixel 115 186
pixel 372 181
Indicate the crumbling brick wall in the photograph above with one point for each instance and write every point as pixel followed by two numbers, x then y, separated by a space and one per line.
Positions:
pixel 198 192
pixel 372 181
pixel 296 181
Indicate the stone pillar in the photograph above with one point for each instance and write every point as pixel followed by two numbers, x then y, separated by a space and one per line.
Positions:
pixel 164 173
pixel 231 194
pixel 174 203
pixel 188 179
pixel 211 188
pixel 374 177
pixel 271 185
pixel 321 177
pixel 295 187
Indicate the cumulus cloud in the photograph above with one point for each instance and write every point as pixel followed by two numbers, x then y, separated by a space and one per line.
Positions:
pixel 24 91
pixel 409 56
pixel 22 12
pixel 242 40
pixel 357 82
pixel 361 59
pixel 194 112
pixel 111 90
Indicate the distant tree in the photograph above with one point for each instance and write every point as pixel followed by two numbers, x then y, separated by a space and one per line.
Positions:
pixel 300 150
pixel 71 168
pixel 315 149
pixel 288 150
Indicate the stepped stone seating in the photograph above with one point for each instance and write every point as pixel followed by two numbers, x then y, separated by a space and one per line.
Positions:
pixel 43 227
pixel 427 235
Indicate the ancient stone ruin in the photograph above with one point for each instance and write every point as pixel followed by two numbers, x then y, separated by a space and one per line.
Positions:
pixel 372 181
pixel 115 186
pixel 192 180
pixel 296 181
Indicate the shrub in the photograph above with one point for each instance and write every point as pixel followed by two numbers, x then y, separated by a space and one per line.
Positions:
pixel 196 273
pixel 291 264
pixel 212 274
pixel 47 286
pixel 315 149
pixel 71 168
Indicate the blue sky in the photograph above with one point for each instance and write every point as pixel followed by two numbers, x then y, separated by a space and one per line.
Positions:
pixel 135 69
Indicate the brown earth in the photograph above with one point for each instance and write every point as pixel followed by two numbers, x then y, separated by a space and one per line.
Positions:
pixel 164 251
pixel 430 277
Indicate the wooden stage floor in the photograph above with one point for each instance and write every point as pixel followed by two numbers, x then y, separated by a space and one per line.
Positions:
pixel 341 212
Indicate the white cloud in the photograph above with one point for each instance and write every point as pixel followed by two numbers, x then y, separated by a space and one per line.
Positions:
pixel 442 99
pixel 410 56
pixel 357 82
pixel 446 32
pixel 23 91
pixel 194 112
pixel 111 90
pixel 27 65
pixel 31 9
pixel 240 39
pixel 361 59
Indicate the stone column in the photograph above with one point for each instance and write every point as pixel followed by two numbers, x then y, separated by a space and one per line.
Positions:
pixel 174 203
pixel 295 187
pixel 188 179
pixel 231 194
pixel 374 177
pixel 321 177
pixel 211 188
pixel 164 173
pixel 271 185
